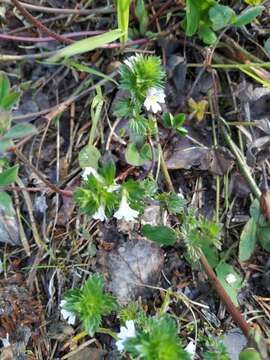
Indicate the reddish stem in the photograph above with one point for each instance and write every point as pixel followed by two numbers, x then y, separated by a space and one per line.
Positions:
pixel 39 25
pixel 48 38
pixel 231 308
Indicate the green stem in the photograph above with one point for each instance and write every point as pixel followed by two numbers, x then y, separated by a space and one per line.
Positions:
pixel 241 162
pixel 163 165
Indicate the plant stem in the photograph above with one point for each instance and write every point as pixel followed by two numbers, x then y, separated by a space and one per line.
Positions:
pixel 162 161
pixel 241 162
pixel 41 176
pixel 232 309
pixel 39 25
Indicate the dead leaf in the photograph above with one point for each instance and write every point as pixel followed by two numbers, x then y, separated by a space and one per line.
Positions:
pixel 130 266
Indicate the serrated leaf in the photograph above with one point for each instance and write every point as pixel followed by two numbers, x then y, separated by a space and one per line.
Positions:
pixel 108 172
pixel 20 131
pixel 85 45
pixel 220 16
pixel 160 234
pixel 138 157
pixel 247 240
pixel 6 203
pixel 9 176
pixel 89 157
pixel 224 270
pixel 247 16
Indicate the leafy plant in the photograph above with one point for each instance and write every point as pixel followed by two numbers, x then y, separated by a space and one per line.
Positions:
pixel 207 17
pixel 217 351
pixel 8 135
pixel 158 340
pixel 90 303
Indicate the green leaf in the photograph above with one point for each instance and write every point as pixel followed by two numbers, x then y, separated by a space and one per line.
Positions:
pixel 179 120
pixel 6 203
pixel 247 240
pixel 85 45
pixel 220 16
pixel 224 270
pixel 4 86
pixel 267 45
pixel 89 157
pixel 247 16
pixel 249 354
pixel 263 235
pixel 207 35
pixel 5 144
pixel 160 234
pixel 168 120
pixel 10 100
pixel 192 17
pixel 108 172
pixel 9 176
pixel 87 69
pixel 20 131
pixel 142 15
pixel 138 157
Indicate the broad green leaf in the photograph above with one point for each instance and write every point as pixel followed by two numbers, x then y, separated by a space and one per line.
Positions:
pixel 179 120
pixel 20 131
pixel 192 16
pixel 160 234
pixel 263 236
pixel 89 157
pixel 4 86
pixel 87 69
pixel 267 45
pixel 138 157
pixel 211 254
pixel 247 240
pixel 168 120
pixel 254 210
pixel 247 16
pixel 85 45
pixel 9 176
pixel 6 203
pixel 220 16
pixel 249 354
pixel 5 144
pixel 230 280
pixel 10 100
pixel 5 120
pixel 207 35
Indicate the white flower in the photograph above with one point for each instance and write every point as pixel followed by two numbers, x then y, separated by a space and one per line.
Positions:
pixel 191 349
pixel 113 188
pixel 100 214
pixel 67 315
pixel 154 98
pixel 230 279
pixel 126 332
pixel 125 212
pixel 89 171
pixel 129 62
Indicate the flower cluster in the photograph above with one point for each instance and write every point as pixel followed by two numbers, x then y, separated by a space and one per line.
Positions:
pixel 102 198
